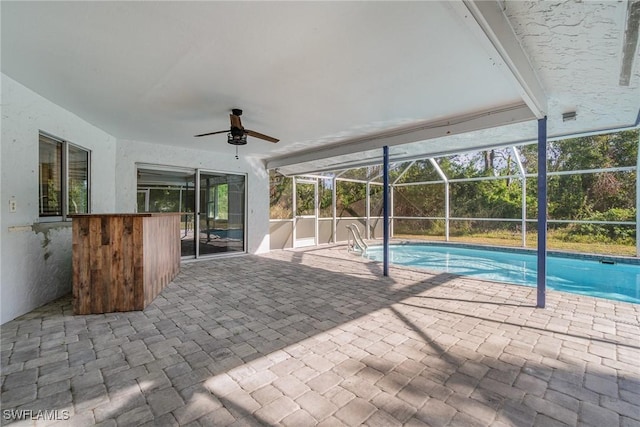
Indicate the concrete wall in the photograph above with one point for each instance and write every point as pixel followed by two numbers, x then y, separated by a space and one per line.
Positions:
pixel 281 234
pixel 35 257
pixel 377 228
pixel 131 152
pixel 282 231
pixel 325 231
pixel 341 228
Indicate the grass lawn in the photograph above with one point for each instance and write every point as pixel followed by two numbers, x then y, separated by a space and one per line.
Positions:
pixel 513 239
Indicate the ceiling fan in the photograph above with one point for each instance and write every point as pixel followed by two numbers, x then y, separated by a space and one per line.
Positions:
pixel 237 135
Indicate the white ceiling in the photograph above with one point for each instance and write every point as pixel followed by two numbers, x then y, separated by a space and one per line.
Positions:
pixel 323 76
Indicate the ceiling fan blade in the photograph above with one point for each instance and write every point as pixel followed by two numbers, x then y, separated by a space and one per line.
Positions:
pixel 212 133
pixel 235 121
pixel 261 136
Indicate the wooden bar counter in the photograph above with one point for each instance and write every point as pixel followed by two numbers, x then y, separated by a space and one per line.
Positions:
pixel 121 262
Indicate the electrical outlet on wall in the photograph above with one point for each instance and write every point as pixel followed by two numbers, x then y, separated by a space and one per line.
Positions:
pixel 13 205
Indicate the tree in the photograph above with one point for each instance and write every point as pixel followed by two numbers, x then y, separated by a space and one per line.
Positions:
pixel 576 196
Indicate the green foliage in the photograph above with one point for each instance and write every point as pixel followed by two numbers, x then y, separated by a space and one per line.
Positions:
pixel 351 199
pixel 280 196
pixel 325 195
pixel 486 199
pixel 610 233
pixel 164 200
pixel 78 196
pixel 419 200
pixel 422 227
pixel 595 196
pixel 305 198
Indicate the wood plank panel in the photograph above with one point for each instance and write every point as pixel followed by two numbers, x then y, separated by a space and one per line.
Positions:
pixel 116 293
pixel 97 272
pixel 122 262
pixel 138 262
pixel 128 264
pixel 160 232
pixel 81 276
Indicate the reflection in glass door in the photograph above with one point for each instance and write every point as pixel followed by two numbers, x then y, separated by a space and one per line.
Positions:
pixel 221 213
pixel 166 189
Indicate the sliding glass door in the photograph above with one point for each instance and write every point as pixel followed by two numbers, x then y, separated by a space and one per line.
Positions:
pixel 217 226
pixel 164 189
pixel 221 213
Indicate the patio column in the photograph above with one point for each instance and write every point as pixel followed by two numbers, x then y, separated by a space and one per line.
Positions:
pixel 385 210
pixel 542 212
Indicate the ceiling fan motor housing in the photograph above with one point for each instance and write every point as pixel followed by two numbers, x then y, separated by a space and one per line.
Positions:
pixel 237 136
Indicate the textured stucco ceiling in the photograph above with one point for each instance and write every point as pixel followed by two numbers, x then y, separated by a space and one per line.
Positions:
pixel 314 74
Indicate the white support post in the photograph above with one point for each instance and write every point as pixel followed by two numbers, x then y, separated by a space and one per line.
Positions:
pixel 523 180
pixel 334 202
pixel 293 213
pixel 316 213
pixel 524 212
pixel 391 210
pixel 447 214
pixel 368 208
pixel 385 211
pixel 392 187
pixel 196 216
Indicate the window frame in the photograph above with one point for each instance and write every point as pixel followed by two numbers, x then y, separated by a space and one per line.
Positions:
pixel 64 178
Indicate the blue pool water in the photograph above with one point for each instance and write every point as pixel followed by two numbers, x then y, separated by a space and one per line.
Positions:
pixel 617 281
pixel 233 233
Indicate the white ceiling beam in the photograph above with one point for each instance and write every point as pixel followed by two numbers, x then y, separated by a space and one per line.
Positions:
pixel 488 21
pixel 427 130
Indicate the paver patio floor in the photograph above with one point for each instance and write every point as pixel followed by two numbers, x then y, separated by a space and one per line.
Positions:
pixel 318 337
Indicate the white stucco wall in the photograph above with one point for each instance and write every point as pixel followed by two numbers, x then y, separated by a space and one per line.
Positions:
pixel 131 152
pixel 36 257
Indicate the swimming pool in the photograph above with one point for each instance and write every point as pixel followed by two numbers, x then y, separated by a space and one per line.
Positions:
pixel 616 281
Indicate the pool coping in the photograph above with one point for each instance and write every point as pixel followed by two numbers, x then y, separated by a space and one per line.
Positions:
pixel 560 254
pixel 555 253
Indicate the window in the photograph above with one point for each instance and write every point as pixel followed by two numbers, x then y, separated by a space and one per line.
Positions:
pixel 63 178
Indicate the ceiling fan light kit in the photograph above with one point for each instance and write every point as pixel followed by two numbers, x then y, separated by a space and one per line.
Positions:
pixel 237 134
pixel 236 139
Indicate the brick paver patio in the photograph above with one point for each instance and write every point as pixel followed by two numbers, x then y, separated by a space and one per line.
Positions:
pixel 318 337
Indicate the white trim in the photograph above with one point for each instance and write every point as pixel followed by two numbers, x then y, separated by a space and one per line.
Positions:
pixel 452 125
pixel 494 31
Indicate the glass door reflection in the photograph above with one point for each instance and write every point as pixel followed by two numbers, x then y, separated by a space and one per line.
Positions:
pixel 170 190
pixel 221 213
